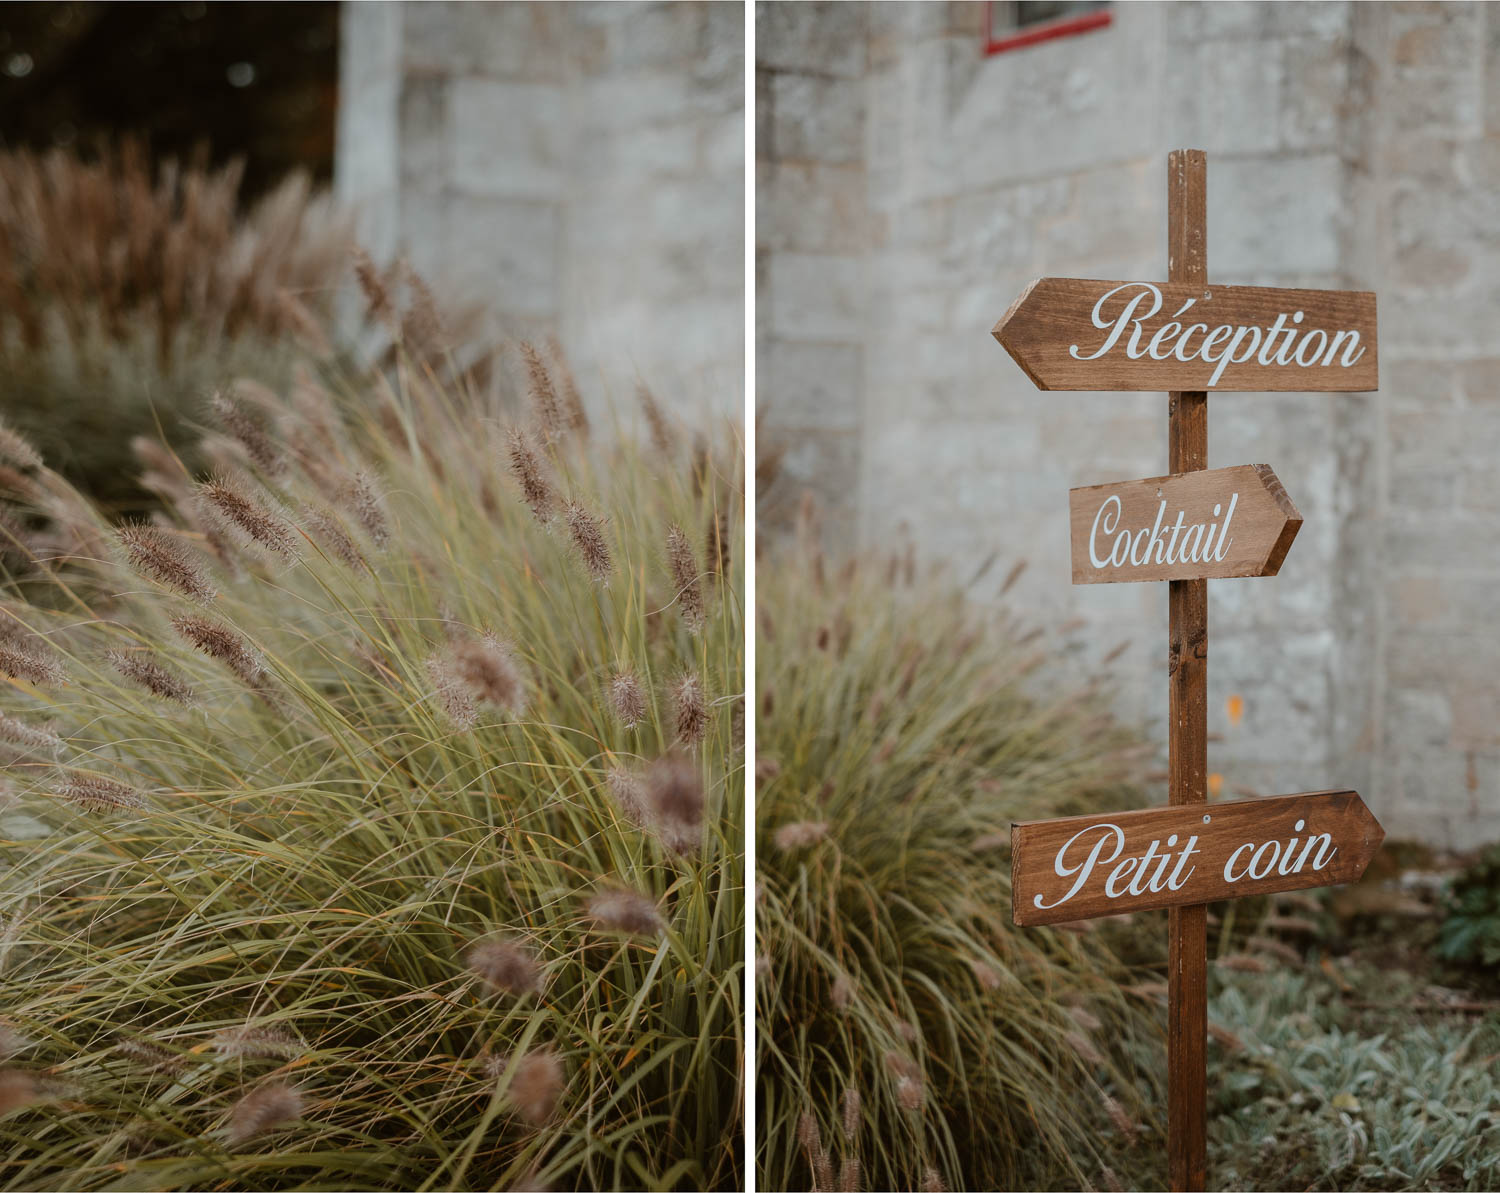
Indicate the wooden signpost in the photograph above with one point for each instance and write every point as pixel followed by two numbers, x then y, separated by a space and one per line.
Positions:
pixel 1188 527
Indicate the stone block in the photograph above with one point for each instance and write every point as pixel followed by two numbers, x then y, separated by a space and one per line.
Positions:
pixel 816 297
pixel 816 118
pixel 425 134
pixel 817 37
pixel 1279 214
pixel 506 252
pixel 509 139
pixel 810 207
pixel 813 385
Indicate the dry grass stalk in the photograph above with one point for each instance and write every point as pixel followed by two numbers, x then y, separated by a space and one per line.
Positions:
pixel 140 668
pixel 162 556
pixel 662 437
pixel 551 422
pixel 685 578
pixel 265 1109
pixel 536 489
pixel 578 419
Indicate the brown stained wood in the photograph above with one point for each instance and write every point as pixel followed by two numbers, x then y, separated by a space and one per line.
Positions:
pixel 1084 867
pixel 1187 712
pixel 1229 338
pixel 1230 522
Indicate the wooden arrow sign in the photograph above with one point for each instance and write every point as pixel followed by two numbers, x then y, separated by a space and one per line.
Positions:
pixel 1073 333
pixel 1193 526
pixel 1080 867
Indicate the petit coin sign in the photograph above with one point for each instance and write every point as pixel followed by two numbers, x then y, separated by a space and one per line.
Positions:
pixel 1079 867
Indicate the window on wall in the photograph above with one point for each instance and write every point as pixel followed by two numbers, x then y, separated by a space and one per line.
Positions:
pixel 1013 24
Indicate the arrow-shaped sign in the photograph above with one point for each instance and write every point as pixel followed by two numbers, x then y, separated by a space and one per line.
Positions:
pixel 1075 333
pixel 1193 526
pixel 1080 867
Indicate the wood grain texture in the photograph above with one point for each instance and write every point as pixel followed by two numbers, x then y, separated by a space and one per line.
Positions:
pixel 1210 852
pixel 1052 324
pixel 1242 514
pixel 1187 713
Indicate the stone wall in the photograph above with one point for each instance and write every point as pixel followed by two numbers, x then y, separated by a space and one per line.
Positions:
pixel 910 187
pixel 579 167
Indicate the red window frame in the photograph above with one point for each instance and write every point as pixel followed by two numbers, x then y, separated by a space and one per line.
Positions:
pixel 1045 31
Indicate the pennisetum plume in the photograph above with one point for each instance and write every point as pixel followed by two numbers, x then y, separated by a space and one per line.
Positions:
pixel 140 668
pixel 264 1109
pixel 536 1085
pixel 256 524
pixel 690 709
pixel 536 489
pixel 95 793
pixel 627 911
pixel 627 700
pixel 545 407
pixel 249 433
pixel 505 965
pixel 685 578
pixel 162 556
pixel 589 541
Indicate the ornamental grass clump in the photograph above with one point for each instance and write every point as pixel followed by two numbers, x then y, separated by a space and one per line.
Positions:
pixel 328 880
pixel 909 1035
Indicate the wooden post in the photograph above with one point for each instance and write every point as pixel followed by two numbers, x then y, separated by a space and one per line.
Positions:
pixel 1187 927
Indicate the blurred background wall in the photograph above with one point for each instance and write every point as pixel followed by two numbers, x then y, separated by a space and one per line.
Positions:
pixel 581 166
pixel 909 186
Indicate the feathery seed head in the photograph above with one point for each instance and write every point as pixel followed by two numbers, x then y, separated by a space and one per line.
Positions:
pixel 95 793
pixel 691 709
pixel 162 556
pixel 220 642
pixel 378 302
pixel 663 439
pixel 264 1109
pixel 685 578
pixel 626 699
pixel 536 1085
pixel 843 992
pixel 623 910
pixel 716 544
pixel 36 666
pixel 629 794
pixel 853 1104
pixel 536 489
pixel 588 539
pixel 150 1055
pixel 578 419
pixel 800 834
pixel 141 668
pixel 360 495
pixel 332 537
pixel 249 432
pixel 550 420
pixel 12 1042
pixel 675 799
pixel 18 733
pixel 17 1089
pixel 16 449
pixel 506 965
pixel 249 518
pixel 252 1042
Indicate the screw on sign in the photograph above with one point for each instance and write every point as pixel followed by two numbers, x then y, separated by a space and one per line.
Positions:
pixel 1188 527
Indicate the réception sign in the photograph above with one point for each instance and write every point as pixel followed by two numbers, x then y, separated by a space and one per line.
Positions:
pixel 1079 867
pixel 1075 333
pixel 1193 526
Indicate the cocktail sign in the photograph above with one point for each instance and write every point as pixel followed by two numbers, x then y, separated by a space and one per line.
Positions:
pixel 1085 866
pixel 1194 526
pixel 1073 333
pixel 1186 528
